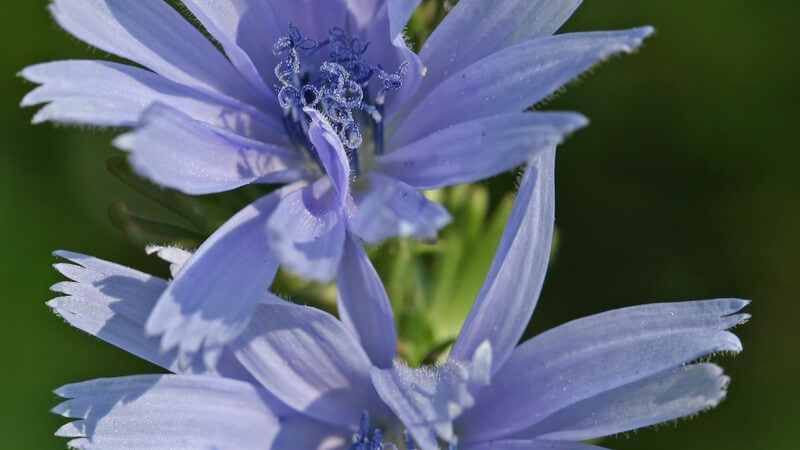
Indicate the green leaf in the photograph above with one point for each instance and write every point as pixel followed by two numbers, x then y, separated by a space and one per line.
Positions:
pixel 203 212
pixel 142 231
pixel 470 244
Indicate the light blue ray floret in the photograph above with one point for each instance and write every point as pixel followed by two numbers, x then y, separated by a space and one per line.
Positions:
pixel 346 117
pixel 299 377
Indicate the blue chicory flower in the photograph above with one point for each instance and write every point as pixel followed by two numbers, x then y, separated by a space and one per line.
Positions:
pixel 323 94
pixel 297 377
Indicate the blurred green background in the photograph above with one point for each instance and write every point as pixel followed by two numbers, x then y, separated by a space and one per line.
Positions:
pixel 684 186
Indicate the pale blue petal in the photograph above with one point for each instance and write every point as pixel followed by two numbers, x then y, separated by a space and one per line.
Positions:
pixel 307 359
pixel 112 94
pixel 478 149
pixel 399 13
pixel 156 36
pixel 413 80
pixel 512 79
pixel 475 29
pixel 174 150
pixel 670 395
pixel 211 300
pixel 363 305
pixel 390 51
pixel 313 17
pixel 247 29
pixel 536 444
pixel 255 26
pixel 331 153
pixel 388 207
pixel 509 293
pixel 366 13
pixel 425 399
pixel 306 232
pixel 587 357
pixel 226 22
pixel 112 302
pixel 181 411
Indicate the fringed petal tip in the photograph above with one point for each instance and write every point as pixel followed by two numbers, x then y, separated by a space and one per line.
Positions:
pixel 66 254
pixel 738 304
pixel 169 411
pixel 74 429
pixel 31 75
pixel 647 30
pixel 38 95
pixel 76 270
pixel 65 391
pixel 637 36
pixel 577 121
pixel 728 310
pixel 736 317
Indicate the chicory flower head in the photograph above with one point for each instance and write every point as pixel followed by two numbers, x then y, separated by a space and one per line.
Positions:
pixel 297 377
pixel 325 94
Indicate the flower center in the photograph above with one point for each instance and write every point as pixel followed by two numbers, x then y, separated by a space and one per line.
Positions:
pixel 336 87
pixel 369 438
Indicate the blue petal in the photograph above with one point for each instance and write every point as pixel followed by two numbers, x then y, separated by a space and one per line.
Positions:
pixel 307 359
pixel 670 395
pixel 248 29
pixel 363 305
pixel 475 29
pixel 390 52
pixel 228 23
pixel 399 13
pixel 211 300
pixel 477 149
pixel 391 208
pixel 366 13
pixel 313 17
pixel 413 80
pixel 156 36
pixel 512 79
pixel 173 150
pixel 306 231
pixel 331 153
pixel 255 25
pixel 509 293
pixel 590 356
pixel 181 411
pixel 112 302
pixel 112 94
